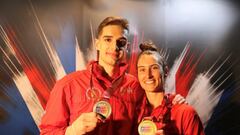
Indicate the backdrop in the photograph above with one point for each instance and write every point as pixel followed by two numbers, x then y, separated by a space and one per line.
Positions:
pixel 42 40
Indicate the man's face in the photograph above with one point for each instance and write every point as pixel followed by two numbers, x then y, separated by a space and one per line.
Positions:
pixel 149 73
pixel 111 45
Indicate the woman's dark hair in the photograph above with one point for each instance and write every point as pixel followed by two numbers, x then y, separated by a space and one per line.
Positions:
pixel 149 48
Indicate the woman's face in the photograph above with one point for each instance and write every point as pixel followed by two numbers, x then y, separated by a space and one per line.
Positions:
pixel 149 74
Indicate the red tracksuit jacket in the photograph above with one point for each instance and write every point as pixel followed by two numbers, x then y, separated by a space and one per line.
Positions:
pixel 180 119
pixel 69 99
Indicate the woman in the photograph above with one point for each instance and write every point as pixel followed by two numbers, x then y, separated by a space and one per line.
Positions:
pixel 178 119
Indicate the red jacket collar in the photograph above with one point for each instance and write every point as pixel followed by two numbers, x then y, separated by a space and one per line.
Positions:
pixel 157 112
pixel 99 72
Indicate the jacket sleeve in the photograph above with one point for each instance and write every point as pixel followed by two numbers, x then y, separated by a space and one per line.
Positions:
pixel 192 124
pixel 138 94
pixel 56 117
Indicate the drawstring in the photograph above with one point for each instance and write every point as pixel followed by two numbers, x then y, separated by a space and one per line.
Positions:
pixel 91 82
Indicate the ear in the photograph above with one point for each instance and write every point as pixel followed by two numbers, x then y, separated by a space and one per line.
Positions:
pixel 127 47
pixel 166 71
pixel 97 44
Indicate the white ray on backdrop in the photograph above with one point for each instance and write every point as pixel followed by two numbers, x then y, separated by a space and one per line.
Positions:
pixel 205 95
pixel 22 82
pixel 92 52
pixel 80 62
pixel 51 51
pixel 170 86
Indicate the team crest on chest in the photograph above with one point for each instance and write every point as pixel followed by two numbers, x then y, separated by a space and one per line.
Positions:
pixel 125 90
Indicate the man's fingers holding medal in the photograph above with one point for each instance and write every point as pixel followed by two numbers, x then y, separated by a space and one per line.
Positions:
pixel 86 122
pixel 160 132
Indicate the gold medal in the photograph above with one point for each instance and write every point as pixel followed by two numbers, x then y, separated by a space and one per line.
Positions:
pixel 147 127
pixel 103 108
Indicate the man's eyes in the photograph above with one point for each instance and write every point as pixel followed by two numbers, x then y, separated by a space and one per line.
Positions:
pixel 121 43
pixel 108 40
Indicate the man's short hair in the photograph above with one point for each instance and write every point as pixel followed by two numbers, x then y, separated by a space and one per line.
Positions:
pixel 113 20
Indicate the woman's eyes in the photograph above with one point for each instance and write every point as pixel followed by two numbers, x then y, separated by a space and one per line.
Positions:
pixel 152 68
pixel 155 67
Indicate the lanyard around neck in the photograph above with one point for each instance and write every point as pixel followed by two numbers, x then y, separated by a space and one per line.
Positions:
pixel 96 94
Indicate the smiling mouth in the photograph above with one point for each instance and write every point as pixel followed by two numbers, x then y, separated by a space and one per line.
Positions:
pixel 149 81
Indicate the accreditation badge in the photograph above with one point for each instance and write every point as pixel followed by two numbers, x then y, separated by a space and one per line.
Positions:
pixel 103 108
pixel 147 127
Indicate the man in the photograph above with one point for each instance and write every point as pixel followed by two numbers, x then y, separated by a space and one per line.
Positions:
pixel 71 108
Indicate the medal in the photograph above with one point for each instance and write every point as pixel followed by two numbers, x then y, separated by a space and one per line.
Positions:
pixel 103 108
pixel 147 127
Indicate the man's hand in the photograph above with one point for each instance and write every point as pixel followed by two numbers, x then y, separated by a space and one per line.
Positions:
pixel 178 99
pixel 86 122
pixel 160 132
